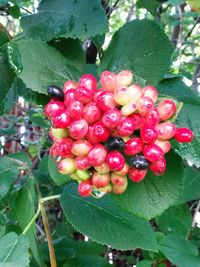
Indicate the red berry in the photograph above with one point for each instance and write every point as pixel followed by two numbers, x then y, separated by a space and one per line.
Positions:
pixel 111 118
pixel 98 93
pixel 97 155
pixel 148 134
pixel 69 85
pixel 184 135
pixel 125 127
pixel 84 95
pixel 153 117
pixel 153 152
pixel 135 92
pixel 158 167
pixel 52 107
pixel 133 146
pixel 78 129
pixel 105 101
pixel 100 180
pixel 164 145
pixel 60 119
pixel 108 80
pixel 90 135
pixel 75 109
pixel 124 78
pixel 62 148
pixel 124 170
pixel 66 166
pixel 88 81
pixel 121 96
pixel 118 180
pixel 166 109
pixel 115 160
pixel 137 175
pixel 151 92
pixel 82 163
pixel 100 132
pixel 69 97
pixel 166 130
pixel 81 147
pixel 145 105
pixel 85 188
pixel 137 120
pixel 91 113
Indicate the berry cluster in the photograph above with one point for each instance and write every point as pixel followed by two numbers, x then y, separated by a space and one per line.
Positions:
pixel 103 135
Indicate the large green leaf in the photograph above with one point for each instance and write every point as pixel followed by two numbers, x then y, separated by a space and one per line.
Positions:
pixel 150 5
pixel 143 47
pixel 87 260
pixel 188 117
pixel 14 250
pixel 72 18
pixel 4 38
pixel 177 219
pixel 154 194
pixel 40 65
pixel 105 223
pixel 179 251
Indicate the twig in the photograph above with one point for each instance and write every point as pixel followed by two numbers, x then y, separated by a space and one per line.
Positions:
pixel 31 222
pixel 195 214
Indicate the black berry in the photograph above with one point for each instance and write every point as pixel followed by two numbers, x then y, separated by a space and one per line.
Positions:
pixel 55 92
pixel 115 143
pixel 139 162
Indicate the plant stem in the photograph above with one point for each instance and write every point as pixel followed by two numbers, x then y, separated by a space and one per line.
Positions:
pixel 31 222
pixel 44 199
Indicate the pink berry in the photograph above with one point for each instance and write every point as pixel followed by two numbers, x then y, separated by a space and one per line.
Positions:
pixel 85 188
pixel 84 95
pixel 129 108
pixel 103 168
pixel 124 170
pixel 97 94
pixel 145 105
pixel 121 96
pixel 135 92
pixel 138 120
pixel 166 109
pixel 88 81
pixel 108 80
pixel 52 107
pixel 82 163
pixel 81 147
pixel 153 117
pixel 69 97
pixel 137 175
pixel 75 109
pixel 151 92
pixel 133 146
pixel 184 135
pixel 164 145
pixel 165 130
pixel 115 160
pixel 97 155
pixel 100 132
pixel 118 180
pixel 78 129
pixel 148 134
pixel 158 167
pixel 100 180
pixel 111 118
pixel 124 78
pixel 62 148
pixel 105 101
pixel 66 166
pixel 90 135
pixel 91 113
pixel 60 119
pixel 125 127
pixel 153 152
pixel 69 85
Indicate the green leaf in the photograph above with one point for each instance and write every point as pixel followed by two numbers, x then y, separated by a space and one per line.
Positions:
pixel 40 65
pixel 14 11
pixel 56 176
pixel 154 194
pixel 144 263
pixel 14 250
pixel 72 18
pixel 4 38
pixel 141 46
pixel 87 260
pixel 177 219
pixel 188 117
pixel 23 157
pixel 179 251
pixel 150 5
pixel 104 222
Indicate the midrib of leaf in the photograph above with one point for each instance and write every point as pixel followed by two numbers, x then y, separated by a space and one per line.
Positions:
pixel 11 250
pixel 5 171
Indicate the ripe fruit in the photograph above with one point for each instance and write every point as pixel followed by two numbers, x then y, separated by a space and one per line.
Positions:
pixel 105 101
pixel 91 113
pixel 97 155
pixel 69 97
pixel 184 135
pixel 60 119
pixel 83 174
pixel 66 166
pixel 165 130
pixel 82 163
pixel 85 188
pixel 137 175
pixel 58 134
pixel 100 180
pixel 55 92
pixel 69 85
pixel 115 143
pixel 81 147
pixel 124 170
pixel 138 120
pixel 108 80
pixel 151 92
pixel 124 78
pixel 125 127
pixel 121 96
pixel 139 162
pixel 84 95
pixel 133 146
pixel 111 118
pixel 100 132
pixel 52 107
pixel 145 105
pixel 62 148
pixel 153 117
pixel 75 109
pixel 153 152
pixel 166 109
pixel 78 129
pixel 158 167
pixel 88 81
pixel 115 160
pixel 118 180
pixel 148 134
